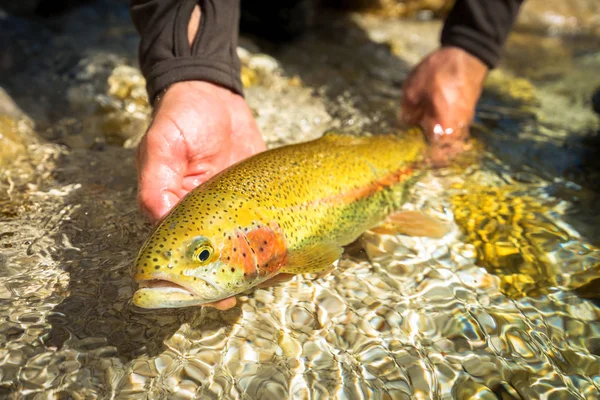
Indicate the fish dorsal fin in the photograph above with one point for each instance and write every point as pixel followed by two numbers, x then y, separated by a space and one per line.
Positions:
pixel 314 258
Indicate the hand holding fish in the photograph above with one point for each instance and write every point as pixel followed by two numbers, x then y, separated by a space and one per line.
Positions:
pixel 198 130
pixel 440 94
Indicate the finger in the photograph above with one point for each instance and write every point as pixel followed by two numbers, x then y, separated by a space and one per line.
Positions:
pixel 411 108
pixel 445 143
pixel 160 162
pixel 412 104
pixel 191 182
pixel 445 120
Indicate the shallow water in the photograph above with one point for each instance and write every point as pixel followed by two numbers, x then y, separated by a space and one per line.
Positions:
pixel 505 306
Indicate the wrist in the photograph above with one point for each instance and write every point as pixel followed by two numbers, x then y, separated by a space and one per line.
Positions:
pixel 476 68
pixel 197 86
pixel 195 94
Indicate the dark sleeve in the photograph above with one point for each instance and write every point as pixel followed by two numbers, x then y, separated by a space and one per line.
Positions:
pixel 165 55
pixel 480 27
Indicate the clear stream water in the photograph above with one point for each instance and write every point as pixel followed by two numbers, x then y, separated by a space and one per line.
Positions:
pixel 505 306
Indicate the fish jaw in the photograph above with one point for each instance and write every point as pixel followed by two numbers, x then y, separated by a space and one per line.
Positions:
pixel 163 290
pixel 164 298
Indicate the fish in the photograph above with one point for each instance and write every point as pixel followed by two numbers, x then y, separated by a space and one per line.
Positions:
pixel 288 210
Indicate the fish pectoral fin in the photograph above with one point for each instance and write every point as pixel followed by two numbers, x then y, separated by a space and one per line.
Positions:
pixel 412 223
pixel 316 258
pixel 275 280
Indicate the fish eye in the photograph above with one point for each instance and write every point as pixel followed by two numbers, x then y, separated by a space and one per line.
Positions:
pixel 203 253
pixel 200 250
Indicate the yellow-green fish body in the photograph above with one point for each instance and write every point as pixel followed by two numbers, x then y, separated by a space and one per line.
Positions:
pixel 286 210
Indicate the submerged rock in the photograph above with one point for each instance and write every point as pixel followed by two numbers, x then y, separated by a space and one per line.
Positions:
pixel 112 102
pixel 519 240
pixel 13 139
pixel 510 89
pixel 557 16
pixel 536 56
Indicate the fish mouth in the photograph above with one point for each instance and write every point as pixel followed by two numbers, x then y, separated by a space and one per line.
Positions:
pixel 161 283
pixel 164 293
pixel 160 293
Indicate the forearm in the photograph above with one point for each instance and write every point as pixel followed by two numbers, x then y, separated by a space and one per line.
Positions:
pixel 165 54
pixel 481 27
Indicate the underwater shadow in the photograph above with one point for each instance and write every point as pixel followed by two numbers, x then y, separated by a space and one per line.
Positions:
pixel 97 245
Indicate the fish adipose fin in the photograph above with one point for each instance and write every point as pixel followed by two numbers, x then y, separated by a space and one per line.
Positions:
pixel 412 223
pixel 313 259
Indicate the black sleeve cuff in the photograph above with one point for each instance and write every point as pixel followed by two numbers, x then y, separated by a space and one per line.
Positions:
pixel 474 43
pixel 480 27
pixel 165 55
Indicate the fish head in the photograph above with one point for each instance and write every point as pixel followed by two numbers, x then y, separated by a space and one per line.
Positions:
pixel 197 258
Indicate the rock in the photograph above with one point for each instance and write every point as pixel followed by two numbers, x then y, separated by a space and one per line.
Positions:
pixel 8 107
pixel 557 16
pixel 512 90
pixel 570 95
pixel 117 112
pixel 397 8
pixel 537 57
pixel 12 139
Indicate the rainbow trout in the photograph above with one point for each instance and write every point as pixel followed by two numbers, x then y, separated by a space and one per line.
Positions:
pixel 287 210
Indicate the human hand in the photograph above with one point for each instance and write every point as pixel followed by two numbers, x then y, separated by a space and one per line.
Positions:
pixel 440 94
pixel 198 130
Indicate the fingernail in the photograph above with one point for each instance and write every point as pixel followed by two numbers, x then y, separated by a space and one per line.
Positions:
pixel 439 131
